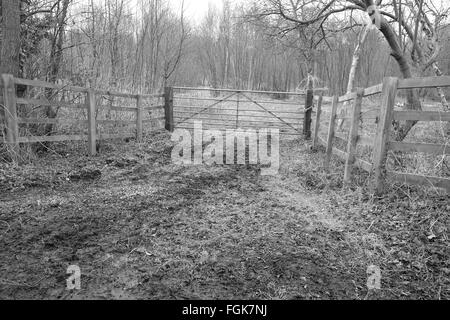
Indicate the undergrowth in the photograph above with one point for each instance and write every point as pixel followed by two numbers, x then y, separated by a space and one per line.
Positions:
pixel 405 231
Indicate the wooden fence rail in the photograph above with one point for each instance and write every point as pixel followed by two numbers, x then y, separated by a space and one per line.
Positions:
pixel 382 143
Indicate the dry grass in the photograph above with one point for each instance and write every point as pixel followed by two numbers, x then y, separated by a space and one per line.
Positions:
pixel 405 232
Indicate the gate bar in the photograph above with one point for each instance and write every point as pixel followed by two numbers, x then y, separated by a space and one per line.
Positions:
pixel 209 107
pixel 274 115
pixel 250 91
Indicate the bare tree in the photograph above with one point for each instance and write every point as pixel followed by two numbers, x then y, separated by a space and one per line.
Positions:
pixel 317 13
pixel 362 36
pixel 115 10
pixel 173 53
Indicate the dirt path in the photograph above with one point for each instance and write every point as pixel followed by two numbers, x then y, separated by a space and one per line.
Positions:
pixel 147 229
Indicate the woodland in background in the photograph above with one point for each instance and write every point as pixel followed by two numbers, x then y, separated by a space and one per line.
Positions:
pixel 261 45
pixel 108 44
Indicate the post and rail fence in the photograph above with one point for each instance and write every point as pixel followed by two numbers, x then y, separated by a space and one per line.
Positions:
pixel 171 112
pixel 380 145
pixel 10 102
pixel 382 142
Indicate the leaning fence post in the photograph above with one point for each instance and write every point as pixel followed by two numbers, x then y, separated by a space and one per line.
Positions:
pixel 353 138
pixel 389 94
pixel 331 130
pixel 168 108
pixel 139 119
pixel 308 113
pixel 317 124
pixel 11 121
pixel 92 126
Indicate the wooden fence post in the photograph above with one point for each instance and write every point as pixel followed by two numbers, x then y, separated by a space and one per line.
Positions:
pixel 331 131
pixel 92 126
pixel 380 149
pixel 317 124
pixel 353 137
pixel 139 119
pixel 10 111
pixel 168 108
pixel 308 114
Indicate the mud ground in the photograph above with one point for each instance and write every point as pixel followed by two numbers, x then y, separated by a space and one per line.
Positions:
pixel 141 228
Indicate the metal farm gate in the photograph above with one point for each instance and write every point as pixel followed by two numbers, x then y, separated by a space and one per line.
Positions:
pixel 223 109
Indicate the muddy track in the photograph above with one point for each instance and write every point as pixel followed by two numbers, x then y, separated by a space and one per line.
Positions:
pixel 156 231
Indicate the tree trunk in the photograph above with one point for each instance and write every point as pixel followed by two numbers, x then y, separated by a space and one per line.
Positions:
pixel 356 57
pixel 412 96
pixel 10 49
pixel 355 63
pixel 441 93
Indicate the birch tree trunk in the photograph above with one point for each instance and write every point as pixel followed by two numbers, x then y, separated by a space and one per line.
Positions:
pixel 441 93
pixel 354 67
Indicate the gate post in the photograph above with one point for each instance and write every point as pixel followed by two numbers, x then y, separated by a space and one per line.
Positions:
pixel 353 138
pixel 317 124
pixel 92 125
pixel 10 112
pixel 308 113
pixel 380 149
pixel 168 108
pixel 331 131
pixel 139 117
